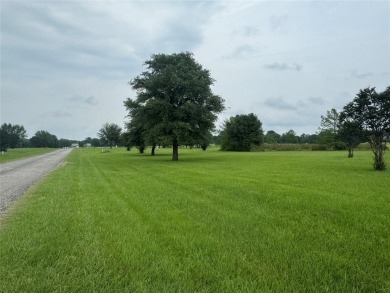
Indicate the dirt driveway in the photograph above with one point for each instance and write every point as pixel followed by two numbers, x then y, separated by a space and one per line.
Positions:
pixel 17 176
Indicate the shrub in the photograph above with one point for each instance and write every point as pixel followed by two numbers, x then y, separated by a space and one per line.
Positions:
pixel 318 147
pixel 363 146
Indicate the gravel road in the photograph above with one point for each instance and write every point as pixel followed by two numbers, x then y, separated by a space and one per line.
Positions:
pixel 17 176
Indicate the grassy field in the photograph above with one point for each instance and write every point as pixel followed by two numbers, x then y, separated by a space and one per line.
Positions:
pixel 19 153
pixel 212 222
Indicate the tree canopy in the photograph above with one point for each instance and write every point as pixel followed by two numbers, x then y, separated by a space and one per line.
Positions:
pixel 241 132
pixel 272 137
pixel 289 137
pixel 64 143
pixel 174 101
pixel 330 121
pixel 329 128
pixel 351 133
pixel 44 139
pixel 370 112
pixel 110 133
pixel 11 135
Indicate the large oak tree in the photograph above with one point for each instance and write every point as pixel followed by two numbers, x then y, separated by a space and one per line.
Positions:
pixel 174 100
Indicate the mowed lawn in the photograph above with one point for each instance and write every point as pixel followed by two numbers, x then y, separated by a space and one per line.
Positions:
pixel 211 222
pixel 20 153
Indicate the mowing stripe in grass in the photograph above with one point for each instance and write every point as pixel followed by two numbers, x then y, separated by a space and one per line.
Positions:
pixel 212 222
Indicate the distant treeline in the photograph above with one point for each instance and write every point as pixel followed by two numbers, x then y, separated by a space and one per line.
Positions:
pixel 306 147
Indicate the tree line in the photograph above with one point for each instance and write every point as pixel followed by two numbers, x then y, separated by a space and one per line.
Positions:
pixel 175 106
pixel 365 119
pixel 15 136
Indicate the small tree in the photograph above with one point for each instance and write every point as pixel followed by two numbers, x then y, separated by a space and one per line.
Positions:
pixel 95 142
pixel 135 136
pixel 330 121
pixel 329 128
pixel 205 141
pixel 110 133
pixel 290 137
pixel 241 132
pixel 125 140
pixel 370 111
pixel 326 136
pixel 351 133
pixel 272 137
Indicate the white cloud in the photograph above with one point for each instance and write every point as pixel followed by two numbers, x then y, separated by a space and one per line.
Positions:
pixel 316 100
pixel 77 100
pixel 279 103
pixel 56 114
pixel 278 23
pixel 356 74
pixel 244 51
pixel 73 59
pixel 283 66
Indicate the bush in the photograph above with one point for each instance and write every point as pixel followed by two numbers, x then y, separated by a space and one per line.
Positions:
pixel 284 147
pixel 300 147
pixel 363 146
pixel 337 146
pixel 318 147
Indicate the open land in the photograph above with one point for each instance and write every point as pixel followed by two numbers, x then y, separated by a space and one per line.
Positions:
pixel 19 153
pixel 18 175
pixel 214 221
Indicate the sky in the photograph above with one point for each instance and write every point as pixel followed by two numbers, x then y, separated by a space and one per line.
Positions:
pixel 66 65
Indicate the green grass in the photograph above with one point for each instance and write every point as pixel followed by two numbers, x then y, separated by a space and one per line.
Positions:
pixel 19 153
pixel 212 222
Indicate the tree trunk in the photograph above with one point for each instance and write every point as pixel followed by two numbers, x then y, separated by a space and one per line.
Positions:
pixel 153 148
pixel 379 162
pixel 175 150
pixel 378 148
pixel 350 152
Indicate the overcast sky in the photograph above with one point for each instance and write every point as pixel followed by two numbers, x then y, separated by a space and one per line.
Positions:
pixel 65 65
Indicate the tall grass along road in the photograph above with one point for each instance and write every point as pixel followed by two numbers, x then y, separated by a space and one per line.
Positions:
pixel 17 176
